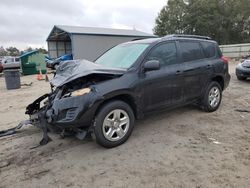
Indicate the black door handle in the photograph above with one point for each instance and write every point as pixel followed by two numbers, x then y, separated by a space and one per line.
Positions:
pixel 209 66
pixel 178 72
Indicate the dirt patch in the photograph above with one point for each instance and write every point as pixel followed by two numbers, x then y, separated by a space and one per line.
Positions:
pixel 182 148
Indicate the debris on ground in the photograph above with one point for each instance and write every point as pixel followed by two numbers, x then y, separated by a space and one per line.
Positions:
pixel 213 140
pixel 13 130
pixel 242 110
pixel 4 164
pixel 25 84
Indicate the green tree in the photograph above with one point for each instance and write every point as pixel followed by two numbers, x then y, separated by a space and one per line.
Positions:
pixel 226 21
pixel 171 18
pixel 29 49
pixel 3 52
pixel 42 50
pixel 13 51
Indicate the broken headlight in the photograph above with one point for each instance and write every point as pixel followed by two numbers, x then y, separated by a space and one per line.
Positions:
pixel 80 92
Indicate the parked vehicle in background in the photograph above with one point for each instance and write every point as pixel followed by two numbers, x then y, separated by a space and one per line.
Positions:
pixel 246 57
pixel 130 81
pixel 11 63
pixel 1 67
pixel 54 63
pixel 243 69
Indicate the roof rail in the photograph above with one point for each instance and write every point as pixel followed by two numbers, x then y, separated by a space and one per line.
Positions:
pixel 138 39
pixel 188 36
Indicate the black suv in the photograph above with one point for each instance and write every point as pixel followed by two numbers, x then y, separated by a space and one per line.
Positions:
pixel 129 81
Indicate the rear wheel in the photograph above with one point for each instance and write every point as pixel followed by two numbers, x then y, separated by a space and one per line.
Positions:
pixel 114 124
pixel 212 97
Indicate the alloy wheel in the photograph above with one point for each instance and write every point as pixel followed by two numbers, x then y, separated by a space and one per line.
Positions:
pixel 115 125
pixel 214 97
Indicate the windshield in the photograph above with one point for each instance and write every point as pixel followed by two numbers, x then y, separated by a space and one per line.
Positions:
pixel 122 56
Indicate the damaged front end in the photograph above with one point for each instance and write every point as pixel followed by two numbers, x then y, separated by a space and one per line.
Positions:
pixel 71 105
pixel 61 111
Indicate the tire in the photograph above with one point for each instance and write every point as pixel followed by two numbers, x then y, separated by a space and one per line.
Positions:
pixel 241 78
pixel 212 97
pixel 109 129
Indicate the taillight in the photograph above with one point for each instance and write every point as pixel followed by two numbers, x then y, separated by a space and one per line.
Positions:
pixel 224 59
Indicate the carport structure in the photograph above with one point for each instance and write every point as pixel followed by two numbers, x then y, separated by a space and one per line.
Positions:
pixel 88 42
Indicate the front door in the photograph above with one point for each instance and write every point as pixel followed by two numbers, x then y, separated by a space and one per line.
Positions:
pixel 162 88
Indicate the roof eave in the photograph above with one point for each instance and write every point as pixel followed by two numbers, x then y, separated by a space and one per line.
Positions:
pixel 55 27
pixel 148 36
pixel 96 34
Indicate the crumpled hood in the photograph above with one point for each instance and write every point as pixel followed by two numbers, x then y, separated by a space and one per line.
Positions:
pixel 71 70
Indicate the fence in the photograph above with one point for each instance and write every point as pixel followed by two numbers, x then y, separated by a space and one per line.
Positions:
pixel 235 50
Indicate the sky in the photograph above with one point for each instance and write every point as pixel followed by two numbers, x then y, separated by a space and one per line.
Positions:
pixel 25 23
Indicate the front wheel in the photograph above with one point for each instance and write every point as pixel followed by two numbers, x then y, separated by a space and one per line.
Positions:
pixel 114 124
pixel 241 78
pixel 212 97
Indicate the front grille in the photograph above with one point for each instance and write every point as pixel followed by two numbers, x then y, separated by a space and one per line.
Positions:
pixel 70 114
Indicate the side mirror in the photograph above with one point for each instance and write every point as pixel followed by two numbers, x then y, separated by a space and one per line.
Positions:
pixel 151 65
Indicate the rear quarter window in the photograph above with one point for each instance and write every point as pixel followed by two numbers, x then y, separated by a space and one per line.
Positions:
pixel 9 60
pixel 191 51
pixel 209 49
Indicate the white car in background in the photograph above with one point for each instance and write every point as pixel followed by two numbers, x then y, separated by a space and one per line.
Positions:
pixel 11 63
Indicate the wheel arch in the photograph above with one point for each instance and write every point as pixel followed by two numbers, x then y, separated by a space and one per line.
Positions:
pixel 220 80
pixel 127 98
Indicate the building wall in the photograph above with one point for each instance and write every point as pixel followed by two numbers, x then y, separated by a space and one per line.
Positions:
pixel 236 50
pixel 92 46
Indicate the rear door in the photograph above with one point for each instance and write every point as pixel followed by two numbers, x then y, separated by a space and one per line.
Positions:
pixel 162 88
pixel 196 68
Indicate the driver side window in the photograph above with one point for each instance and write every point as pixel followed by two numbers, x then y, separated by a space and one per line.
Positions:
pixel 166 53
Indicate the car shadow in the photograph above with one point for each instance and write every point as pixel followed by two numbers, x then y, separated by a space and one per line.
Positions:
pixel 164 114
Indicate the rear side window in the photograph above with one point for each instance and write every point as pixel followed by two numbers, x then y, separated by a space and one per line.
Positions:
pixel 191 51
pixel 209 49
pixel 166 53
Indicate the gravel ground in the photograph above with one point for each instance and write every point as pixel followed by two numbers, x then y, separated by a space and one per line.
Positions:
pixel 182 148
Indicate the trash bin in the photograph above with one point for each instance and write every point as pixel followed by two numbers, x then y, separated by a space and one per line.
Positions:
pixel 12 79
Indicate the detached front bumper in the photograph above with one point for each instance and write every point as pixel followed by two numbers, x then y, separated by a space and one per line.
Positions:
pixel 69 112
pixel 73 111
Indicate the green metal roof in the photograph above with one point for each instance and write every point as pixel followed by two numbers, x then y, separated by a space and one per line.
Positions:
pixel 29 53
